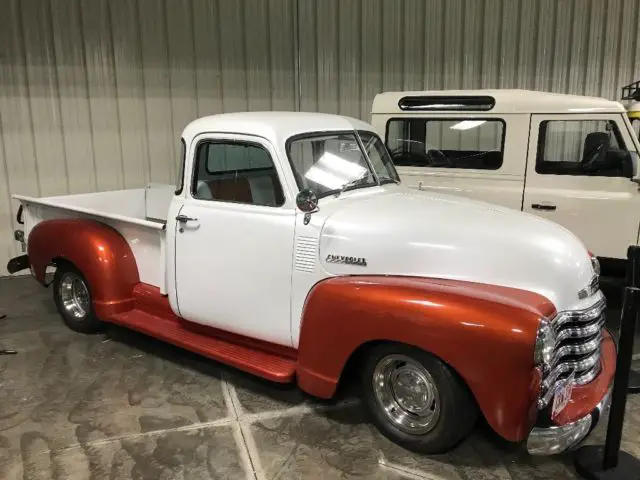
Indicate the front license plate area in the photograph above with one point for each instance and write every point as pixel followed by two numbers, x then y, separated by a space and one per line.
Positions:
pixel 562 395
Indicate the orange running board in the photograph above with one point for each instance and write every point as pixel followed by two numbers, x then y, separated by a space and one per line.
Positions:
pixel 153 316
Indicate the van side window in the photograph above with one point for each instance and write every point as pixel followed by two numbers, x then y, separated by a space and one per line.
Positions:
pixel 582 147
pixel 470 143
pixel 235 171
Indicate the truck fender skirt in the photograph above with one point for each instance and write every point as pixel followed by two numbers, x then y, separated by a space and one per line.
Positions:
pixel 485 333
pixel 101 254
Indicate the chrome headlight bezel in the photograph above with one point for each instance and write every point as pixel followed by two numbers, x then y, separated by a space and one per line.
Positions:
pixel 545 345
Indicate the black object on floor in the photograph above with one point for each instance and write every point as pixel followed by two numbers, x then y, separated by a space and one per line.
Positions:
pixel 589 465
pixel 634 384
pixel 633 280
pixel 6 352
pixel 595 462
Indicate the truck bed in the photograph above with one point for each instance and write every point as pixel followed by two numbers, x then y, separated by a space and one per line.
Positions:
pixel 138 214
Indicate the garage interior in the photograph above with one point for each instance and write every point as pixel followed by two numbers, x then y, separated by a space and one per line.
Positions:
pixel 93 97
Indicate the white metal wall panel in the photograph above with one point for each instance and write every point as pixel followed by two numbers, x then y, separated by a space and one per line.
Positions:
pixel 75 115
pixel 103 98
pixel 93 93
pixel 162 146
pixel 282 53
pixel 129 82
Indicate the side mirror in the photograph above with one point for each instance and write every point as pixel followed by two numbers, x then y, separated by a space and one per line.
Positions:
pixel 628 163
pixel 307 201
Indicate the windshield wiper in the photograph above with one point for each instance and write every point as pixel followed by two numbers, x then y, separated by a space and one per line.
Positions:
pixel 352 183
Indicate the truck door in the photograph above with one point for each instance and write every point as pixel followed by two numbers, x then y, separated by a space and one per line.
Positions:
pixel 475 156
pixel 234 240
pixel 579 173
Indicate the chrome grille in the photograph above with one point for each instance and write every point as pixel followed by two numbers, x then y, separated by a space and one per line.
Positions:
pixel 577 350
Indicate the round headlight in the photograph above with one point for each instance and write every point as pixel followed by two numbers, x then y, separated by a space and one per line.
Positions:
pixel 545 344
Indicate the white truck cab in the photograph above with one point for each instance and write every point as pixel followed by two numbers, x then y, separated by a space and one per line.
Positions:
pixel 570 159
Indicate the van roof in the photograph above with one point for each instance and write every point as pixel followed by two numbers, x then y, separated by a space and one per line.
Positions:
pixel 490 101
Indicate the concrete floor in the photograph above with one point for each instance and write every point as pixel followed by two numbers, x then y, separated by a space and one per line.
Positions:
pixel 120 405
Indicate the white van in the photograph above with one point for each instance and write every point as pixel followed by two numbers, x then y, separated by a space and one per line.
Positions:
pixel 571 159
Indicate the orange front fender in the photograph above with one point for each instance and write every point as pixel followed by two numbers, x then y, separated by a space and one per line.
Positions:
pixel 97 250
pixel 485 333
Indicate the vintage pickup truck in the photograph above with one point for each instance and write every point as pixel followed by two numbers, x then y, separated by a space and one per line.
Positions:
pixel 568 158
pixel 289 250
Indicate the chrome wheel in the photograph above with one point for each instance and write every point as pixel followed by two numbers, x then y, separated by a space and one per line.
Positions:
pixel 407 394
pixel 74 295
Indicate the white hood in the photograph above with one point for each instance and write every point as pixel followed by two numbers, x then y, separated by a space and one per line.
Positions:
pixel 400 231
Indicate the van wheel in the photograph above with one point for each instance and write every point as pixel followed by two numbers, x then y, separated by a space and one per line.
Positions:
pixel 416 400
pixel 72 296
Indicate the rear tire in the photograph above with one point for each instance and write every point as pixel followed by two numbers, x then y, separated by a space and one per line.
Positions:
pixel 416 400
pixel 72 296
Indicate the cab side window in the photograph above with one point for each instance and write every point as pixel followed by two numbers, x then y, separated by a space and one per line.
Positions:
pixel 469 143
pixel 582 147
pixel 235 171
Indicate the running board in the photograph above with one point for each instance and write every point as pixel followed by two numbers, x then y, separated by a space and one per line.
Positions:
pixel 187 335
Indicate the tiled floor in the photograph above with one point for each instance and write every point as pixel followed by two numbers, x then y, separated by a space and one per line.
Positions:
pixel 120 405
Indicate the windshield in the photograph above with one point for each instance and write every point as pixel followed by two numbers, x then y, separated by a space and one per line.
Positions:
pixel 326 163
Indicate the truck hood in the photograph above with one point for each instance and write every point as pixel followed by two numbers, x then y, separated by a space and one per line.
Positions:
pixel 401 231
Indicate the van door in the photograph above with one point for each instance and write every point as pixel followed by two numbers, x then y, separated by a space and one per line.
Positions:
pixel 234 240
pixel 579 175
pixel 472 155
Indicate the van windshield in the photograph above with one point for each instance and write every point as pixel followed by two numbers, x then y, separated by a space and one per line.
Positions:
pixel 326 162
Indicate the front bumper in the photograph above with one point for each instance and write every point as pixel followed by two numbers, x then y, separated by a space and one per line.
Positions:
pixel 557 439
pixel 588 403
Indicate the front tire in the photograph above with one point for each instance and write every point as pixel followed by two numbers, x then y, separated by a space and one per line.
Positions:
pixel 72 296
pixel 416 400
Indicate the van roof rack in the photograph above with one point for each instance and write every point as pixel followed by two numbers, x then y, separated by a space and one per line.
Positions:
pixel 631 91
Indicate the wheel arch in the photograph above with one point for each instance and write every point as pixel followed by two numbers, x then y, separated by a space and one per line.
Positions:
pixel 358 356
pixel 470 327
pixel 97 250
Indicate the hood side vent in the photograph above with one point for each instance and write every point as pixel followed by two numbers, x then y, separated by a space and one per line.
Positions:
pixel 305 255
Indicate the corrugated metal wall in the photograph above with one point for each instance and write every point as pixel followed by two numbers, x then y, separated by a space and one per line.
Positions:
pixel 94 93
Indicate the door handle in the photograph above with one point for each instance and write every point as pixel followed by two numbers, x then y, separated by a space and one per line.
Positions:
pixel 184 218
pixel 543 206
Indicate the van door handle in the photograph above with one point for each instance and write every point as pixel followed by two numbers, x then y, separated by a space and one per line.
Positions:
pixel 184 218
pixel 543 206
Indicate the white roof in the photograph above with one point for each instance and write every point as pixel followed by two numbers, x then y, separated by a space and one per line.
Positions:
pixel 274 126
pixel 507 101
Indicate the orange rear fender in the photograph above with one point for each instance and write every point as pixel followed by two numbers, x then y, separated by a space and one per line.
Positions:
pixel 101 254
pixel 485 333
